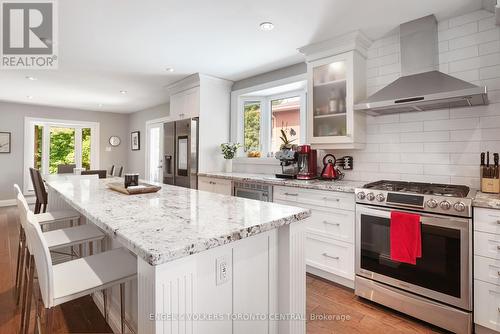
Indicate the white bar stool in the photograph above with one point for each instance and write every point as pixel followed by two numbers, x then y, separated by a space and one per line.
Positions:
pixel 56 239
pixel 70 280
pixel 44 219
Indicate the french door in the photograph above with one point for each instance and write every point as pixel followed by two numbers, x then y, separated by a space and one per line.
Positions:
pixel 49 143
pixel 154 148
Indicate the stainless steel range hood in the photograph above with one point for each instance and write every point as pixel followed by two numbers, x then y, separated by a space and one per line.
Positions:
pixel 422 87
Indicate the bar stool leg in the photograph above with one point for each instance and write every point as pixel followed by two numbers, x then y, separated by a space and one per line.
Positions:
pixel 122 306
pixel 23 292
pixel 19 251
pixel 49 316
pixel 22 272
pixel 91 248
pixel 105 304
pixel 29 295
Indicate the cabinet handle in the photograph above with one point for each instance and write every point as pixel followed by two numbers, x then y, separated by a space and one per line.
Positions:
pixel 327 222
pixel 333 199
pixel 290 194
pixel 331 257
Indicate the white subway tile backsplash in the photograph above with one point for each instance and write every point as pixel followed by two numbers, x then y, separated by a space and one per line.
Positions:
pixel 452 170
pixel 490 122
pixel 452 147
pixel 451 124
pixel 402 147
pixel 425 158
pixel 473 40
pixel 491 109
pixel 427 178
pixel 488 48
pixel 489 72
pixel 422 137
pixel 372 72
pixel 401 168
pixel 493 146
pixel 383 138
pixel 443 46
pixel 493 84
pixel 425 115
pixel 392 118
pixel 378 157
pixel 459 31
pixel 469 17
pixel 464 159
pixel 389 49
pixel 471 75
pixel 472 182
pixel 401 127
pixel 466 135
pixel 381 61
pixel 463 53
pixel 390 69
pixel 464 65
pixel 487 23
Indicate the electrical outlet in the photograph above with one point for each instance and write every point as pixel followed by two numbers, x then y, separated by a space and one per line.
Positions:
pixel 223 271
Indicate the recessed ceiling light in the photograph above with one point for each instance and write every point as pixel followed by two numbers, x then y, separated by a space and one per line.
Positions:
pixel 30 97
pixel 29 77
pixel 266 26
pixel 169 69
pixel 123 92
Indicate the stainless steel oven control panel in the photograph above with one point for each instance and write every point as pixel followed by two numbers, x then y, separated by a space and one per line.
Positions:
pixel 429 203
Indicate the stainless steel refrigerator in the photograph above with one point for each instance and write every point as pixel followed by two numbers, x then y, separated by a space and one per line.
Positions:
pixel 181 153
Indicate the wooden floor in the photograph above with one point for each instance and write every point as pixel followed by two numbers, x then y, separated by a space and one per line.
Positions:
pixel 323 298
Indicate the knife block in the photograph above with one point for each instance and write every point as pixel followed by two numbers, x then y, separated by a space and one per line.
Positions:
pixel 489 185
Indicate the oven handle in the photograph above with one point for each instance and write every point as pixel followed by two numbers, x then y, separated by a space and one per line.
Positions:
pixel 426 219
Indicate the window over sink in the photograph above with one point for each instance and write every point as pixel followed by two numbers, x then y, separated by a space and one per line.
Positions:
pixel 261 115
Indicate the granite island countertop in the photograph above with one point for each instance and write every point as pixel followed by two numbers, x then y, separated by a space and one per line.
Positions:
pixel 339 186
pixel 174 222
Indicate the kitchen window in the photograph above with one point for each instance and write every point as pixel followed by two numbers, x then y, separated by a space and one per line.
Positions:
pixel 50 143
pixel 262 118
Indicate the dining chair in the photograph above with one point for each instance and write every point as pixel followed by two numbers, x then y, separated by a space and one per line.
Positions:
pixel 56 239
pixel 100 172
pixel 64 282
pixel 119 172
pixel 40 191
pixel 65 169
pixel 112 170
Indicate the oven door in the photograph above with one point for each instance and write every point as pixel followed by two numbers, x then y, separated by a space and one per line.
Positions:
pixel 443 273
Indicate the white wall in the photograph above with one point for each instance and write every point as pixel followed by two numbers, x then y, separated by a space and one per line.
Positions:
pixel 433 146
pixel 137 122
pixel 12 120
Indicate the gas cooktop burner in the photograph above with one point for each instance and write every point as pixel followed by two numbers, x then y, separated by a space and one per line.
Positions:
pixel 448 190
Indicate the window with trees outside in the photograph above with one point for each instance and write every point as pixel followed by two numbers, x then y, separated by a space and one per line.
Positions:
pixel 50 143
pixel 263 118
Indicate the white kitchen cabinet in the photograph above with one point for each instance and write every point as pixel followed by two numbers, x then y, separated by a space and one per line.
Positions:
pixel 185 104
pixel 218 186
pixel 329 231
pixel 487 268
pixel 336 81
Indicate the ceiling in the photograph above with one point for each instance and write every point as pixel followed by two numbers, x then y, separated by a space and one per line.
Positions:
pixel 110 45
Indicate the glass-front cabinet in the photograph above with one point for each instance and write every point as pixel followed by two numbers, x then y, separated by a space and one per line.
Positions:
pixel 335 84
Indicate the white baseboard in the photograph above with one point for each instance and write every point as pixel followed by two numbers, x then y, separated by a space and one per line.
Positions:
pixel 7 202
pixel 113 312
pixel 331 277
pixel 12 202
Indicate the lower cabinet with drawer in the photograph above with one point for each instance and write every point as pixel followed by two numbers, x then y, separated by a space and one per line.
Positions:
pixel 330 231
pixel 486 270
pixel 214 185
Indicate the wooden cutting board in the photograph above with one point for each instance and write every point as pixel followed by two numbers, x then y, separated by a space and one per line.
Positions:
pixel 142 188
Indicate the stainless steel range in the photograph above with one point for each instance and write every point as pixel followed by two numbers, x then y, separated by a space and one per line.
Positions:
pixel 438 288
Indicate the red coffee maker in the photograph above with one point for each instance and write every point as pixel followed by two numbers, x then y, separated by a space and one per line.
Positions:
pixel 307 163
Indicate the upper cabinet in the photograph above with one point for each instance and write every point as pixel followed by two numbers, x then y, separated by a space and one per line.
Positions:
pixel 208 98
pixel 185 104
pixel 336 81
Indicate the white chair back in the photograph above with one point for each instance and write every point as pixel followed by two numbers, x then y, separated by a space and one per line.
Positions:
pixel 43 261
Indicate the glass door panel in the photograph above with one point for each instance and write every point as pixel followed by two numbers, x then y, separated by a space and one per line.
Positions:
pixel 252 127
pixel 86 147
pixel 38 147
pixel 285 116
pixel 439 268
pixel 329 100
pixel 62 148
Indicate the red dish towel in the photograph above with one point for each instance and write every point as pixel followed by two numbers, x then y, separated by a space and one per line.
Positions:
pixel 406 241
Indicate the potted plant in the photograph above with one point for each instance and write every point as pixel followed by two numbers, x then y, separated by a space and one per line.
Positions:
pixel 229 151
pixel 286 143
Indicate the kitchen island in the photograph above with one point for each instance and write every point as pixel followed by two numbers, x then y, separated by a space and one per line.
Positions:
pixel 207 263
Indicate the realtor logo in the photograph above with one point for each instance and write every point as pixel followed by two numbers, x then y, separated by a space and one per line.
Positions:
pixel 29 31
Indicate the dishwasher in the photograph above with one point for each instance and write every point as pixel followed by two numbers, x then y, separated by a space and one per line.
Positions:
pixel 253 190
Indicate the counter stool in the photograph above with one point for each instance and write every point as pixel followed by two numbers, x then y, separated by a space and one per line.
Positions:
pixel 70 280
pixel 56 239
pixel 43 219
